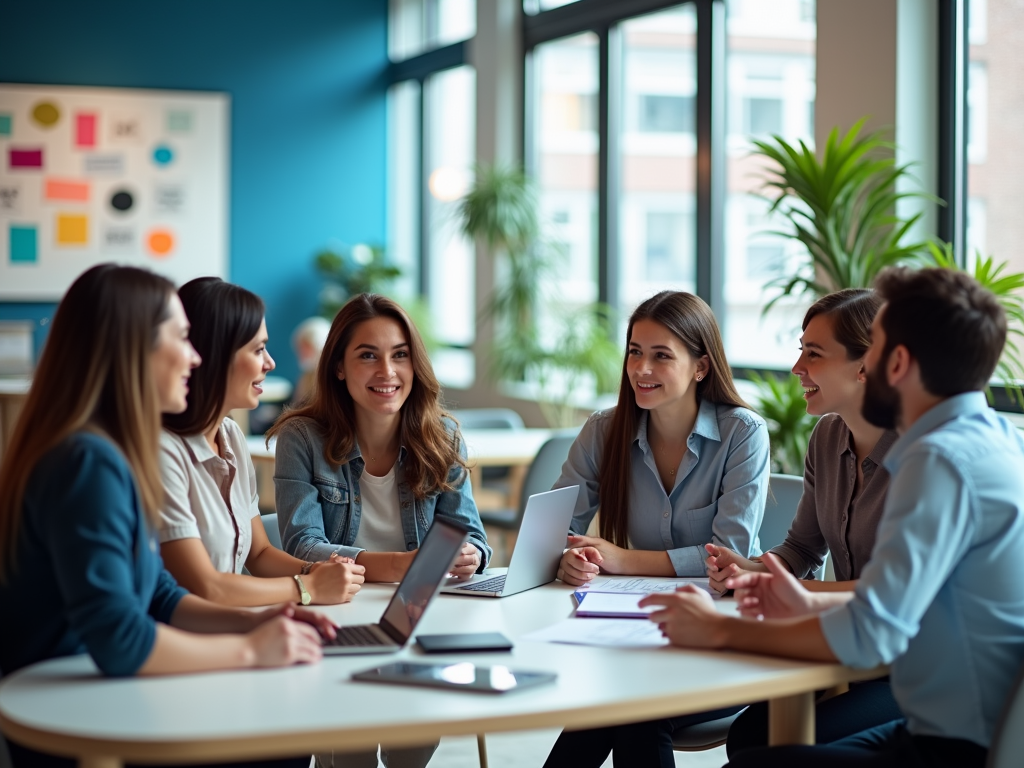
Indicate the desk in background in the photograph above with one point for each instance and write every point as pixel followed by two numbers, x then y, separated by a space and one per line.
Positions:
pixel 486 448
pixel 64 706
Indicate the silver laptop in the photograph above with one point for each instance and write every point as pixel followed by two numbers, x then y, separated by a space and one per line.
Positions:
pixel 538 549
pixel 427 571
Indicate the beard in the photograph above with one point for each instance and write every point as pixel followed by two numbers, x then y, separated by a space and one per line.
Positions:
pixel 881 406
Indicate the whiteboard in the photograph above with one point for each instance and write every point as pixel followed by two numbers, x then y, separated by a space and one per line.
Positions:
pixel 89 175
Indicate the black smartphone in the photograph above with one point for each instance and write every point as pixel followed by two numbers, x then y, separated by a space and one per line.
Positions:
pixel 466 642
pixel 461 675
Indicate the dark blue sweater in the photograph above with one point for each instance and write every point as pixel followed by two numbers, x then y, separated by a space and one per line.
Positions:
pixel 88 575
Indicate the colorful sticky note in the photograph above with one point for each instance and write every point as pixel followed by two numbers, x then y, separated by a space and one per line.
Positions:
pixel 22 242
pixel 163 155
pixel 61 189
pixel 179 121
pixel 85 129
pixel 6 124
pixel 46 114
pixel 160 242
pixel 72 229
pixel 25 158
pixel 109 164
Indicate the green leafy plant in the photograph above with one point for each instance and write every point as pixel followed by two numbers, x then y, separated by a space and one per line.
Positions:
pixel 780 400
pixel 1008 288
pixel 359 269
pixel 575 346
pixel 842 209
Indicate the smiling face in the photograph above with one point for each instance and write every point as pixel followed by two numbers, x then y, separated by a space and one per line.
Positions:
pixel 249 368
pixel 832 382
pixel 173 358
pixel 377 367
pixel 661 369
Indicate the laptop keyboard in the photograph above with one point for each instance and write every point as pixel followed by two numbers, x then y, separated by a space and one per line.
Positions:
pixel 358 635
pixel 494 584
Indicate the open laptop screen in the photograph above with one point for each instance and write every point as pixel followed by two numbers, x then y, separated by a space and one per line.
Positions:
pixel 426 572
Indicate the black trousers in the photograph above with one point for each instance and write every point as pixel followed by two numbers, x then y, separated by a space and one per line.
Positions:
pixel 864 706
pixel 634 745
pixel 885 746
pixel 23 757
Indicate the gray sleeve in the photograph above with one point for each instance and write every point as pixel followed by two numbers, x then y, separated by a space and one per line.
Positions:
pixel 581 468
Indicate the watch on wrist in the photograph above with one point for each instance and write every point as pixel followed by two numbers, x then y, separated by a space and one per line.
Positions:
pixel 304 597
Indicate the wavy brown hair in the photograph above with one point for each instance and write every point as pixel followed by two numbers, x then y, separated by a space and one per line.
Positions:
pixel 691 320
pixel 432 449
pixel 94 374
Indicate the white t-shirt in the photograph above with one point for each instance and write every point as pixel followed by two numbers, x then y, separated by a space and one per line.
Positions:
pixel 208 497
pixel 380 522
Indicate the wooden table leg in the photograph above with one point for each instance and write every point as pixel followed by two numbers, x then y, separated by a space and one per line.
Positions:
pixel 100 762
pixel 791 720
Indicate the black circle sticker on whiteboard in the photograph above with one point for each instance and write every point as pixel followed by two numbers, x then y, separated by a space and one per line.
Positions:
pixel 122 200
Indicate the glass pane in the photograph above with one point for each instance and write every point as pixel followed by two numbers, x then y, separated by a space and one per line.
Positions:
pixel 532 7
pixel 416 26
pixel 769 91
pixel 403 184
pixel 451 146
pixel 565 144
pixel 656 154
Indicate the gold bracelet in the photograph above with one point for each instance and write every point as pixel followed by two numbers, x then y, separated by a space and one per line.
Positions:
pixel 306 568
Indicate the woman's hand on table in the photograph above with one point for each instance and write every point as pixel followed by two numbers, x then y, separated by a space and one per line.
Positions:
pixel 287 634
pixel 723 564
pixel 336 580
pixel 579 564
pixel 773 595
pixel 687 617
pixel 467 562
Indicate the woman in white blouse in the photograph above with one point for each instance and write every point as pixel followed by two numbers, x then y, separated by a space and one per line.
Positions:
pixel 210 525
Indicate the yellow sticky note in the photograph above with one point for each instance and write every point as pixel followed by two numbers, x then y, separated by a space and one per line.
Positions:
pixel 72 229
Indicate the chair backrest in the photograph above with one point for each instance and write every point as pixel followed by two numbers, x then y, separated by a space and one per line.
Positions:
pixel 273 532
pixel 546 466
pixel 784 492
pixel 1007 749
pixel 488 418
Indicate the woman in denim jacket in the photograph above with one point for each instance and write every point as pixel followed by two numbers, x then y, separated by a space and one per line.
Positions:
pixel 366 464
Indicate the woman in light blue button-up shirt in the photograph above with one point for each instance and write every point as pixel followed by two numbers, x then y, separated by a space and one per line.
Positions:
pixel 681 461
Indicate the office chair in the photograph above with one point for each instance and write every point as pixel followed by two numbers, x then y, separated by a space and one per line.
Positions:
pixel 1007 748
pixel 273 532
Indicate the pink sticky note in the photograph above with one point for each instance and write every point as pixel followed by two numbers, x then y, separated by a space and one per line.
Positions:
pixel 26 158
pixel 85 129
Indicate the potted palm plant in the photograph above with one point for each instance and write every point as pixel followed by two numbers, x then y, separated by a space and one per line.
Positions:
pixel 501 211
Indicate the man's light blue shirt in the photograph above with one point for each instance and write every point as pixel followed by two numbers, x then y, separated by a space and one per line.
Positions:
pixel 942 598
pixel 719 493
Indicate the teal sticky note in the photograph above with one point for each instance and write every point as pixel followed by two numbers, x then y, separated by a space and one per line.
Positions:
pixel 5 125
pixel 23 245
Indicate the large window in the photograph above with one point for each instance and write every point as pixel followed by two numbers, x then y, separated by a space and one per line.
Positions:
pixel 627 98
pixel 431 125
pixel 769 92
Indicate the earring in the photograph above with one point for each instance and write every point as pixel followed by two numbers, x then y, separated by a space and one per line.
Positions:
pixel 699 376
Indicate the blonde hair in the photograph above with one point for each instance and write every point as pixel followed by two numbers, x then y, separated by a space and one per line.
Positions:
pixel 94 374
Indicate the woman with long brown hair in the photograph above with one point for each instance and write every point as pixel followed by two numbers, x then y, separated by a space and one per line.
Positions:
pixel 680 462
pixel 210 522
pixel 79 567
pixel 364 467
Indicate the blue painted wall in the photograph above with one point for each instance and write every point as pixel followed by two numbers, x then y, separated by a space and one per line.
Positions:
pixel 308 128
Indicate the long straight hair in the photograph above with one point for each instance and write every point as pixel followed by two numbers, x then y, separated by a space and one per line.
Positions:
pixel 432 451
pixel 94 374
pixel 691 320
pixel 224 319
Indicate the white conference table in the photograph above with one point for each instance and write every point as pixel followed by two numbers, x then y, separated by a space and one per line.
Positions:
pixel 64 706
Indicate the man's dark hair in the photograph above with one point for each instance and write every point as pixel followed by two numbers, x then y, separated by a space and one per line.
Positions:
pixel 953 327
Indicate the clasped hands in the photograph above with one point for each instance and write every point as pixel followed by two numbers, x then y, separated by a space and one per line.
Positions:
pixel 586 557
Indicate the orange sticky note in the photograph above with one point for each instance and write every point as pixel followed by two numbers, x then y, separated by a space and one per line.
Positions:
pixel 160 242
pixel 72 229
pixel 62 189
